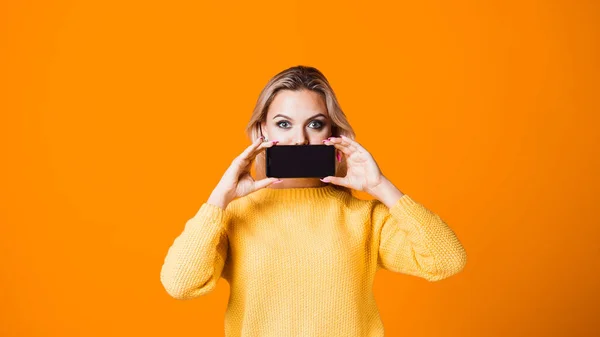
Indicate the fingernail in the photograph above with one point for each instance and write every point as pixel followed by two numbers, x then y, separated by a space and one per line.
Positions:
pixel 339 158
pixel 275 141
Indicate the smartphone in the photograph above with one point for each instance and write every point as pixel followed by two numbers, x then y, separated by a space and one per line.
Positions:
pixel 300 161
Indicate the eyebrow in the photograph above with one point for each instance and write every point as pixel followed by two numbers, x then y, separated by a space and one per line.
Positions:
pixel 317 115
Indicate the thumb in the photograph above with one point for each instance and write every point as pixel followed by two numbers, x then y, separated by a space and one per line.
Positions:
pixel 264 183
pixel 335 180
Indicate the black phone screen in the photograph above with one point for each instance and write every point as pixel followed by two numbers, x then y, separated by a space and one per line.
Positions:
pixel 300 161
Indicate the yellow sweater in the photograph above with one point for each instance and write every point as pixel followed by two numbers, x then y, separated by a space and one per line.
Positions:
pixel 301 261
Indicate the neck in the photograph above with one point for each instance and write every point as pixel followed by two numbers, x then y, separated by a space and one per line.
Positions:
pixel 298 183
pixel 296 194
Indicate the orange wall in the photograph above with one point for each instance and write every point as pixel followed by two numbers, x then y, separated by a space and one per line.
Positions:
pixel 119 118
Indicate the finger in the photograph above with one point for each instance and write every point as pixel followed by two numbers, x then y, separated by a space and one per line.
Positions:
pixel 340 143
pixel 261 148
pixel 336 180
pixel 344 149
pixel 251 147
pixel 352 142
pixel 240 162
pixel 265 182
pixel 345 141
pixel 251 151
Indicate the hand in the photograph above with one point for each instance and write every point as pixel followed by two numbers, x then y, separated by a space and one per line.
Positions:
pixel 237 181
pixel 363 172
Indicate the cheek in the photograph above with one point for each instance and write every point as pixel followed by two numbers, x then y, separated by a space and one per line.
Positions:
pixel 320 134
pixel 275 133
pixel 325 130
pixel 273 130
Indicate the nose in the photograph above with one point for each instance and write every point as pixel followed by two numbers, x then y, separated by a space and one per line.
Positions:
pixel 301 139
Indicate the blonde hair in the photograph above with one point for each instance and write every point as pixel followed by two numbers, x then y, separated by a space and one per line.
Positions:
pixel 299 78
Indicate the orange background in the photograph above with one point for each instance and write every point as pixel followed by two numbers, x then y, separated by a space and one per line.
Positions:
pixel 119 118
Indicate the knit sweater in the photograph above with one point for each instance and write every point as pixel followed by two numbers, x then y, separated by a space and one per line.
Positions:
pixel 302 261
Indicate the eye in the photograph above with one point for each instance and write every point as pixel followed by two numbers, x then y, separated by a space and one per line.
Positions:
pixel 319 123
pixel 316 124
pixel 279 124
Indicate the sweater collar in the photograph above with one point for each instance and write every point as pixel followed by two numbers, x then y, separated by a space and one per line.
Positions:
pixel 297 193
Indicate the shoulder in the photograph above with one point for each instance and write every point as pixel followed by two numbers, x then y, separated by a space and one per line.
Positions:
pixel 366 208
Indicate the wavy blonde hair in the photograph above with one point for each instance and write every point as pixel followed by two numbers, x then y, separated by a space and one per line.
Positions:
pixel 299 78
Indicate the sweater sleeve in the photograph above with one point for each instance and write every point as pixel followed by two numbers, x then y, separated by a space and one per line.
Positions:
pixel 415 241
pixel 195 260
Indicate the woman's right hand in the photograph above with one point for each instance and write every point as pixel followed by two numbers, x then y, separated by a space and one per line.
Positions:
pixel 237 181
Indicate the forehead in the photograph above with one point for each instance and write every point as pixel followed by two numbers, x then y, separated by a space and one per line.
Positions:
pixel 303 103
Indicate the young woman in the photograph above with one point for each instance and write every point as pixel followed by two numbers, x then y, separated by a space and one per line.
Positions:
pixel 300 255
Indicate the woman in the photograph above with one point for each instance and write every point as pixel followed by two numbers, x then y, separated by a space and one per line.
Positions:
pixel 300 255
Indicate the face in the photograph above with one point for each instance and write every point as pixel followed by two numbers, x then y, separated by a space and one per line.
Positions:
pixel 297 118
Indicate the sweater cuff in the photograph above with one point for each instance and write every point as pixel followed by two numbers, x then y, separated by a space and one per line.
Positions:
pixel 409 207
pixel 405 203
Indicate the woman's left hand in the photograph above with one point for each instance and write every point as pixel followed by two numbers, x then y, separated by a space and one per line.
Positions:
pixel 363 172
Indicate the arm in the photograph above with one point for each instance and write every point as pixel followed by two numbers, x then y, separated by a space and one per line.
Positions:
pixel 413 240
pixel 196 258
